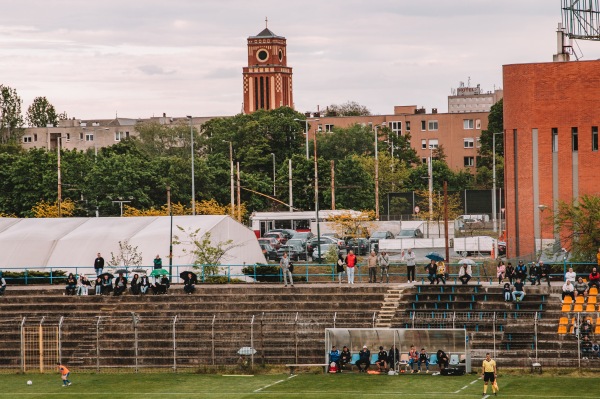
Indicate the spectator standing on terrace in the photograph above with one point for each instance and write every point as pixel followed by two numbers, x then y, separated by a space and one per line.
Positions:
pixel 519 290
pixel 545 272
pixel 372 265
pixel 350 266
pixel 157 262
pixel 2 284
pixel 384 264
pixel 568 289
pixel 334 357
pixel 410 265
pixel 345 357
pixel 534 273
pixel 594 278
pixel 510 272
pixel 581 288
pixel 284 264
pixel 364 360
pixel 431 269
pixel 571 275
pixel 98 264
pixel 489 373
pixel 500 271
pixel 521 271
pixel 465 273
pixel 507 292
pixel 413 358
pixel 340 267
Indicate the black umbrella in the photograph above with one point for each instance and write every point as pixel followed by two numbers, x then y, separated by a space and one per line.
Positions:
pixel 121 271
pixel 184 275
pixel 110 276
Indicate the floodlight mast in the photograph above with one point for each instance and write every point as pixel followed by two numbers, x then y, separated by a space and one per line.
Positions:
pixel 581 21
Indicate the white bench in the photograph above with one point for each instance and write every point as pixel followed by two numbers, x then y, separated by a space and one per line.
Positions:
pixel 294 366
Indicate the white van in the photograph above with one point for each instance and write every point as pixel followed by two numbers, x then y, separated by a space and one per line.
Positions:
pixel 475 217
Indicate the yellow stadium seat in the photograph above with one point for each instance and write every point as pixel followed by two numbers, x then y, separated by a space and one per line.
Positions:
pixel 568 299
pixel 572 330
pixel 566 307
pixel 598 321
pixel 590 307
pixel 593 291
pixel 597 331
pixel 591 299
pixel 578 308
pixel 579 299
pixel 563 321
pixel 562 329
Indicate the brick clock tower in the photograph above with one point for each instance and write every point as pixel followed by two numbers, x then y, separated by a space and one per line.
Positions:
pixel 267 78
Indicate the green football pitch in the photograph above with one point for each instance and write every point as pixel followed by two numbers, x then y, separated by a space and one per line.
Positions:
pixel 351 385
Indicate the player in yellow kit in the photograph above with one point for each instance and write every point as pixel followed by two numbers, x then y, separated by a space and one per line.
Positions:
pixel 488 372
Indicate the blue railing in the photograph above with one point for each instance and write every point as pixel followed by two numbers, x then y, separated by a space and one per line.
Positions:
pixel 311 272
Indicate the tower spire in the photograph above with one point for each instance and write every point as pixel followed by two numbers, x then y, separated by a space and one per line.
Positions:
pixel 266 22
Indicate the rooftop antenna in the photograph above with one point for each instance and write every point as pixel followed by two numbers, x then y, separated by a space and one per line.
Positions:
pixel 266 23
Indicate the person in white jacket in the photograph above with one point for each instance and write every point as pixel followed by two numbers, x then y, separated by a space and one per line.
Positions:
pixel 410 265
pixel 568 289
pixel 571 275
pixel 465 273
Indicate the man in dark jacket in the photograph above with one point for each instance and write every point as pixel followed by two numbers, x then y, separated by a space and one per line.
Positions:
pixel 364 360
pixel 535 273
pixel 98 264
pixel 120 285
pixel 521 271
pixel 345 357
pixel 431 270
pixel 544 273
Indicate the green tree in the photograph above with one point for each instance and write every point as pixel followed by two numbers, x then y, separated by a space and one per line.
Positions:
pixel 578 225
pixel 343 142
pixel 485 159
pixel 11 119
pixel 158 140
pixel 206 253
pixel 349 108
pixel 41 113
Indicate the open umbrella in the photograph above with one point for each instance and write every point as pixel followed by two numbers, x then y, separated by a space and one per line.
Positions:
pixel 466 262
pixel 184 275
pixel 159 272
pixel 246 350
pixel 434 256
pixel 106 274
pixel 121 271
pixel 139 270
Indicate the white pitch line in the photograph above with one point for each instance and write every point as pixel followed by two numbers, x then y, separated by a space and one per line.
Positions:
pixel 275 383
pixel 466 386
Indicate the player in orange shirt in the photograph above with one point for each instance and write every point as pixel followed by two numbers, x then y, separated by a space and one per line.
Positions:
pixel 64 373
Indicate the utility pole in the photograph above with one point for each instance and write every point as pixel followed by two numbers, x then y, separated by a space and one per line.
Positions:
pixel 332 185
pixel 290 186
pixel 59 200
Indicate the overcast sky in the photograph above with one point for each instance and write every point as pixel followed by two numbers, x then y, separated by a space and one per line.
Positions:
pixel 141 58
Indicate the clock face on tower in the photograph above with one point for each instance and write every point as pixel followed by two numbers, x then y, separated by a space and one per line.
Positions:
pixel 262 55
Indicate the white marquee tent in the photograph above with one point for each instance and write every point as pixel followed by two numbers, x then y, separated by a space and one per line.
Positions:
pixel 74 242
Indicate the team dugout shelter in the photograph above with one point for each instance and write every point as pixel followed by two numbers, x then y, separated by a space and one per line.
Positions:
pixel 453 341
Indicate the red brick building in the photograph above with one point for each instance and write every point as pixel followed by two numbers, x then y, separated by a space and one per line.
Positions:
pixel 551 120
pixel 267 78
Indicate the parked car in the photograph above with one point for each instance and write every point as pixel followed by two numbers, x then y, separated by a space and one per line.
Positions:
pixel 268 251
pixel 304 236
pixel 277 235
pixel 272 241
pixel 379 235
pixel 324 248
pixel 359 245
pixel 287 233
pixel 312 243
pixel 410 233
pixel 294 249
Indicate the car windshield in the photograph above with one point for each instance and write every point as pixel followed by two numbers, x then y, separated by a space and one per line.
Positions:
pixel 274 235
pixel 407 233
pixel 295 243
pixel 301 235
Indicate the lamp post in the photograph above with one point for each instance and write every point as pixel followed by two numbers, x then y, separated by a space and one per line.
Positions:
pixel 542 208
pixel 494 211
pixel 376 176
pixel 317 199
pixel 121 202
pixel 192 151
pixel 59 199
pixel 171 231
pixel 231 179
pixel 306 132
pixel 273 154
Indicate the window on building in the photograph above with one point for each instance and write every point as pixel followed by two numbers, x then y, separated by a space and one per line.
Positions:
pixel 80 136
pixel 554 139
pixel 89 137
pixel 329 128
pixel 35 137
pixel 594 138
pixel 423 126
pixel 407 125
pixel 67 137
pixel 319 128
pixel 423 144
pixel 433 143
pixel 477 123
pixel 468 124
pixel 122 135
pixel 469 161
pixel 396 127
pixel 423 160
pixel 469 143
pixel 27 139
pixel 574 139
pixel 433 125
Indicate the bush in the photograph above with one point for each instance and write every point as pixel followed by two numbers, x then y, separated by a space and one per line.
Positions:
pixel 221 280
pixel 35 277
pixel 268 273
